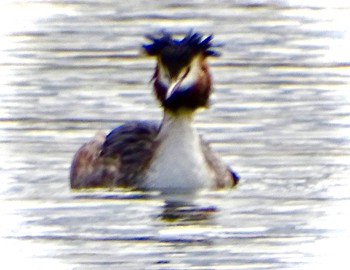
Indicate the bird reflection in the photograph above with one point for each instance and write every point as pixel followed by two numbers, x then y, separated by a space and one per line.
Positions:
pixel 184 211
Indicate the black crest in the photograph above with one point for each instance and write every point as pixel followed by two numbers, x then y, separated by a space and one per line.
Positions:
pixel 193 42
pixel 178 53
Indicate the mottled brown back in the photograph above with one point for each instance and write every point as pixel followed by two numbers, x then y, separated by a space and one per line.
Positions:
pixel 118 159
pixel 132 145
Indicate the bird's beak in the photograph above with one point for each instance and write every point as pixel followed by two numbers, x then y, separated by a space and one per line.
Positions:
pixel 174 86
pixel 175 83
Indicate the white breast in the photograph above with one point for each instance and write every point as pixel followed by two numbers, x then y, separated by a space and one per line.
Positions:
pixel 179 163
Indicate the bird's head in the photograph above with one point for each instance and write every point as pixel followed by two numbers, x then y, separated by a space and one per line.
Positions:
pixel 182 80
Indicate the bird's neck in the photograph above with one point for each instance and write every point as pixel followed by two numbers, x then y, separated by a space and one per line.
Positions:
pixel 179 162
pixel 178 136
pixel 178 127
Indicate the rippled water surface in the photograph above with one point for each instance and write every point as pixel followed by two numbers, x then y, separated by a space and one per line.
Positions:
pixel 279 116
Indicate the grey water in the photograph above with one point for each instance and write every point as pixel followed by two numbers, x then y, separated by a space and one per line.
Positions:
pixel 280 116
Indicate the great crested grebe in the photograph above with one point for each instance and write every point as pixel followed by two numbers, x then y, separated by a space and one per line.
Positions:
pixel 170 157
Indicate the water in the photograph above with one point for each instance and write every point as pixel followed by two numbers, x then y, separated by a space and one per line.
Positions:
pixel 279 117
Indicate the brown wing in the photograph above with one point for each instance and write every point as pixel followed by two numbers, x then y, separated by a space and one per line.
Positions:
pixel 116 160
pixel 87 168
pixel 131 146
pixel 225 176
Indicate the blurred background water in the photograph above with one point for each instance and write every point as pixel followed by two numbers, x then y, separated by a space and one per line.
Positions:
pixel 279 117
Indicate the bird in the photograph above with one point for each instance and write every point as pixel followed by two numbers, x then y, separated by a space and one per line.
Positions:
pixel 171 157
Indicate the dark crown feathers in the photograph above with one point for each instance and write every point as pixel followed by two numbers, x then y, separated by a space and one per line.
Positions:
pixel 195 43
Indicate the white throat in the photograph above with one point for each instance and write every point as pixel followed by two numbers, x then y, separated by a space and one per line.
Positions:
pixel 179 163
